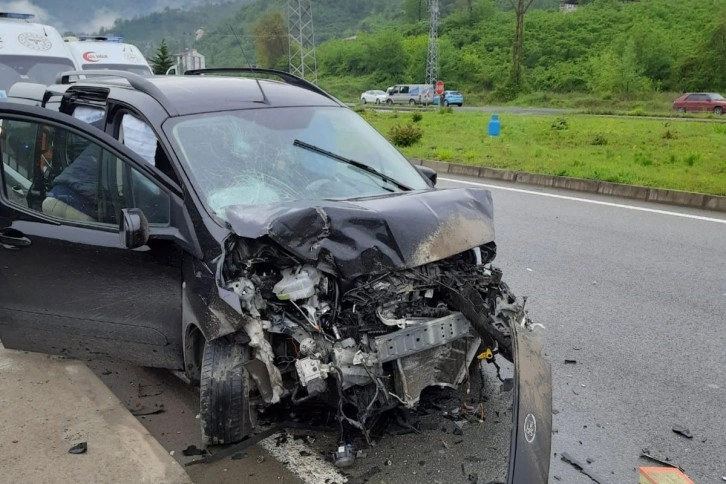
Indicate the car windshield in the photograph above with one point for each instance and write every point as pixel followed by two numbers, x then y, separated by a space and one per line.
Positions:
pixel 27 68
pixel 377 93
pixel 716 97
pixel 134 68
pixel 455 93
pixel 266 156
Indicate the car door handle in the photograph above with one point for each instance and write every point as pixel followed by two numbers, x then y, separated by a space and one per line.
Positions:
pixel 13 239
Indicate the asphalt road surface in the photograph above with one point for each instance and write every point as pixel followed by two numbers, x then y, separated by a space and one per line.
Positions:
pixel 635 293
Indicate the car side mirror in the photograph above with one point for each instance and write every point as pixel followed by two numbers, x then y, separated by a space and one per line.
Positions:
pixel 134 228
pixel 429 173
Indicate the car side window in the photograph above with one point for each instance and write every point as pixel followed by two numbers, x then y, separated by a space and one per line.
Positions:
pixel 59 173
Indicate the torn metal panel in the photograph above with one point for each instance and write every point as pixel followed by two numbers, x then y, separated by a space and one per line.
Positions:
pixel 444 365
pixel 377 234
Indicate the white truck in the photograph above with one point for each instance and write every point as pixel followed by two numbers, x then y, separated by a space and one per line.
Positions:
pixel 30 52
pixel 93 52
pixel 410 94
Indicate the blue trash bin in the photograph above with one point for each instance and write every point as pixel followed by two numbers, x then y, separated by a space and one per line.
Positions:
pixel 495 126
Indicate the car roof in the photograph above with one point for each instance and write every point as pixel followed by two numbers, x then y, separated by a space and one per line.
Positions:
pixel 211 93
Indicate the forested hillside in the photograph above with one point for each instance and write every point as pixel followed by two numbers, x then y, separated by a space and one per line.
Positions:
pixel 603 47
pixel 606 47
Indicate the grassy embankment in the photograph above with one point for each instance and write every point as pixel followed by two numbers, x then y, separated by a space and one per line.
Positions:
pixel 681 155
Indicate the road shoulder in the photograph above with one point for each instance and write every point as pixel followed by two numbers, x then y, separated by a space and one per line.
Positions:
pixel 49 404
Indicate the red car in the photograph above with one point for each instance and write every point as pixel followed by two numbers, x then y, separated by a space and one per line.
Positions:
pixel 700 101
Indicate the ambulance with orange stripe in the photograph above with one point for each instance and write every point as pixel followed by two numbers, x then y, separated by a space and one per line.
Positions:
pixel 93 52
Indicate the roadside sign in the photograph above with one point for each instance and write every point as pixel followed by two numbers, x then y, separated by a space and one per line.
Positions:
pixel 439 88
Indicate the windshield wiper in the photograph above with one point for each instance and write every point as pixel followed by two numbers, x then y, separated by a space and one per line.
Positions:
pixel 357 164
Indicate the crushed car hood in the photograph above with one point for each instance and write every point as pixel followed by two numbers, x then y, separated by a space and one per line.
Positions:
pixel 374 235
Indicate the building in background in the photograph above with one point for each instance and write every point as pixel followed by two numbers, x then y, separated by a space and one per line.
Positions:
pixel 188 60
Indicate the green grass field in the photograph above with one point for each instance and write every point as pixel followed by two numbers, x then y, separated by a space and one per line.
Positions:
pixel 681 155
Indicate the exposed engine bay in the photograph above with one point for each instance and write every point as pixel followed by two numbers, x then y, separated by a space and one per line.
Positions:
pixel 372 343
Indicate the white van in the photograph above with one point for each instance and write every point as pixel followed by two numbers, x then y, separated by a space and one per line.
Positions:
pixel 410 94
pixel 30 52
pixel 105 52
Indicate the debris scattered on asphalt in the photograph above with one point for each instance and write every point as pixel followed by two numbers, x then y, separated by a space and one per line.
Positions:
pixel 681 430
pixel 106 373
pixel 260 459
pixel 370 473
pixel 305 453
pixel 387 462
pixel 239 456
pixel 589 460
pixel 445 444
pixel 171 453
pixel 143 411
pixel 580 467
pixel 570 362
pixel 458 431
pixel 361 454
pixel 474 477
pixel 474 459
pixel 665 461
pixel 145 394
pixel 555 411
pixel 78 448
pixel 192 450
pixel 422 462
pixel 15 441
pixel 235 448
pixel 557 478
pixel 507 385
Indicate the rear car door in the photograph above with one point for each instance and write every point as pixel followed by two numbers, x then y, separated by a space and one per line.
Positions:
pixel 69 284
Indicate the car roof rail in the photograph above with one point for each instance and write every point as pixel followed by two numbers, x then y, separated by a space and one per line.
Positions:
pixel 285 76
pixel 136 81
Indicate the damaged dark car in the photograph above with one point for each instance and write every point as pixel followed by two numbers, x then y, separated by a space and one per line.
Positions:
pixel 273 246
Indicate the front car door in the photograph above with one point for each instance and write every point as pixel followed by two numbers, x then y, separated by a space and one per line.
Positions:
pixel 68 284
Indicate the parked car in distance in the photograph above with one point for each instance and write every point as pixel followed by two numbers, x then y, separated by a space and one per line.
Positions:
pixel 451 97
pixel 700 101
pixel 375 96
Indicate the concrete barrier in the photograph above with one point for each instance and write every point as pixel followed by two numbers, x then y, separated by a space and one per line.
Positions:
pixel 658 195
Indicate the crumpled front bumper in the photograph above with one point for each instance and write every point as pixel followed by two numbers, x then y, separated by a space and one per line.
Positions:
pixel 529 457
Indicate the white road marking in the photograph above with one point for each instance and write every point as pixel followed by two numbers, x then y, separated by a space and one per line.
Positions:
pixel 310 467
pixel 585 200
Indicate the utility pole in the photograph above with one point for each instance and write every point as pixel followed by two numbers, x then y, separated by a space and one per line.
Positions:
pixel 301 40
pixel 432 60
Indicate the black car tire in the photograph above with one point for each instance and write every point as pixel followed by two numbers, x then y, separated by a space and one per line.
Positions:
pixel 461 104
pixel 446 103
pixel 364 101
pixel 378 101
pixel 718 110
pixel 681 110
pixel 224 408
pixel 389 102
pixel 412 102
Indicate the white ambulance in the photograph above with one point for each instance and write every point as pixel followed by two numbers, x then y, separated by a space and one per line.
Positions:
pixel 30 52
pixel 107 52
